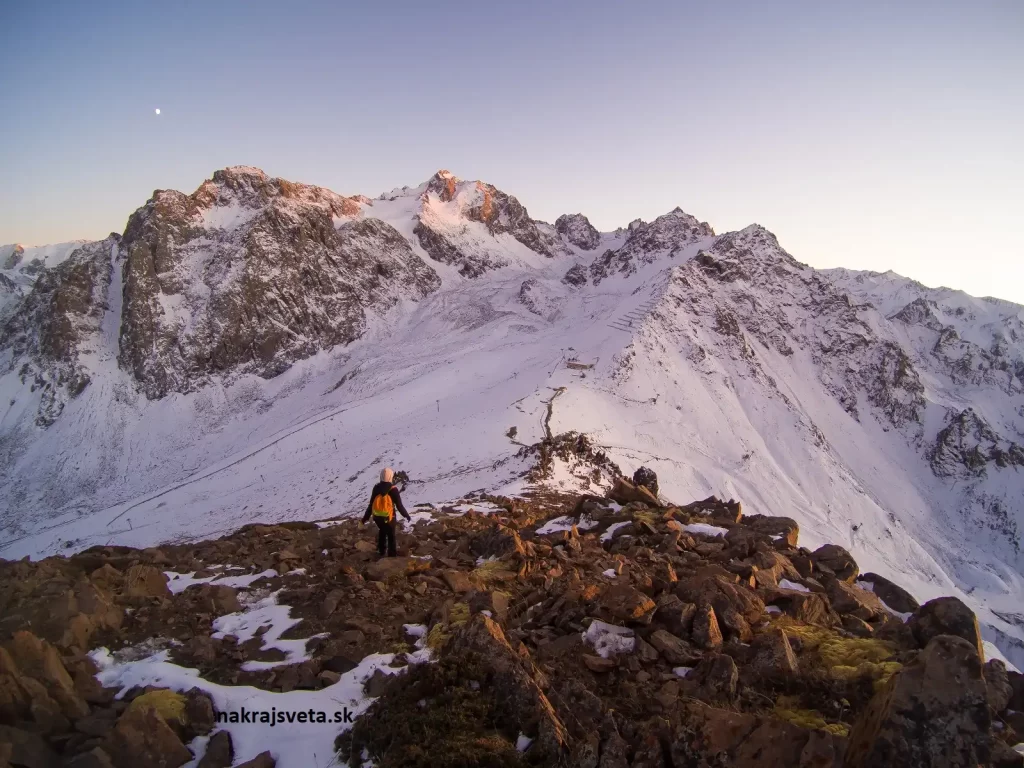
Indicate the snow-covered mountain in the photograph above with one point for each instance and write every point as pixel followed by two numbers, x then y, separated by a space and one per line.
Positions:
pixel 259 349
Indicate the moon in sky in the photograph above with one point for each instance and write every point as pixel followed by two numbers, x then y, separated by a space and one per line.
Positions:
pixel 158 111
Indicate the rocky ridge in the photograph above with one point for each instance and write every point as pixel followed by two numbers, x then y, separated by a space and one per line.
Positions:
pixel 565 630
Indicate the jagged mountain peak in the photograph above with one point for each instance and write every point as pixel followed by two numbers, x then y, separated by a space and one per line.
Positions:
pixel 577 230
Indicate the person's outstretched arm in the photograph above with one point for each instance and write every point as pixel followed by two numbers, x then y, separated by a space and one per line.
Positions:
pixel 397 498
pixel 369 508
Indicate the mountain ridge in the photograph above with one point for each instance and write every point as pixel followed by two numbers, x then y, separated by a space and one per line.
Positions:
pixel 418 327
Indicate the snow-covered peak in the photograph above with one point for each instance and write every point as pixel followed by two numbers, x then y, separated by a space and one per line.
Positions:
pixel 21 265
pixel 577 230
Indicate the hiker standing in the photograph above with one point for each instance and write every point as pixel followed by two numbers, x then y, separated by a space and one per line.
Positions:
pixel 384 500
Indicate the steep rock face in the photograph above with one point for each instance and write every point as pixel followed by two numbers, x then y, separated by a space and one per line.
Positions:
pixel 250 274
pixel 747 286
pixel 20 266
pixel 664 237
pixel 577 229
pixel 54 325
pixel 968 445
pixel 449 204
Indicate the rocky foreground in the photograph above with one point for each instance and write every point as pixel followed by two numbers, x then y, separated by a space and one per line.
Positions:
pixel 562 630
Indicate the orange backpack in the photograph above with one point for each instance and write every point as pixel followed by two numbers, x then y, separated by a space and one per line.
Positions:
pixel 383 506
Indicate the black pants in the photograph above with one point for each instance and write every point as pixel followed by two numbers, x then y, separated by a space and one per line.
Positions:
pixel 385 536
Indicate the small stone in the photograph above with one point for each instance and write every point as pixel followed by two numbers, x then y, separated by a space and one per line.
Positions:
pixel 220 752
pixel 599 664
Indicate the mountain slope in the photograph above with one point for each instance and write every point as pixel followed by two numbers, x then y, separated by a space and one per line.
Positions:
pixel 718 360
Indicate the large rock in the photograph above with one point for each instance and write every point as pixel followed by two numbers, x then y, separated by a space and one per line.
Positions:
pixel 646 478
pixel 27 750
pixel 706 632
pixel 219 751
pixel 736 607
pixel 624 492
pixel 145 581
pixel 37 659
pixel 848 599
pixel 142 738
pixel 718 738
pixel 782 529
pixel 676 652
pixel 718 675
pixel 837 560
pixel 946 616
pixel 515 676
pixel 893 595
pixel 933 713
pixel 773 654
pixel 625 603
pixel 495 542
pixel 997 683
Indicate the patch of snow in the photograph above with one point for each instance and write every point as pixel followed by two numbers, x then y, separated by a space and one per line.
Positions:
pixel 707 530
pixel 179 582
pixel 295 745
pixel 608 639
pixel 772 609
pixel 682 671
pixel 787 584
pixel 610 573
pixel 246 624
pixel 610 532
pixel 523 742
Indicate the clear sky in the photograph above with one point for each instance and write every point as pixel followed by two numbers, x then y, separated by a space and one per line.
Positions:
pixel 871 135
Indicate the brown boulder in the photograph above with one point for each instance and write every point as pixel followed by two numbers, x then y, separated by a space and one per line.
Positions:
pixel 736 607
pixel 706 632
pixel 27 750
pixel 933 712
pixel 772 653
pixel 854 601
pixel 675 651
pixel 675 615
pixel 145 581
pixel 514 675
pixel 218 599
pixel 598 663
pixel 784 527
pixel 457 581
pixel 141 737
pixel 496 542
pixel 220 751
pixel 893 595
pixel 837 560
pixel 811 608
pixel 625 603
pixel 38 659
pixel 997 683
pixel 624 492
pixel 946 616
pixel 718 675
pixel 720 738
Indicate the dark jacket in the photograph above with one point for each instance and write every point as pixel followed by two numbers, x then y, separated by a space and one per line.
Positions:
pixel 392 491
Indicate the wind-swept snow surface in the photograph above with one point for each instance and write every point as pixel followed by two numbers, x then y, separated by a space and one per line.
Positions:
pixel 881 415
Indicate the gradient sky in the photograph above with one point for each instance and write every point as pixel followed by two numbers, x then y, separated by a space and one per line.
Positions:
pixel 867 135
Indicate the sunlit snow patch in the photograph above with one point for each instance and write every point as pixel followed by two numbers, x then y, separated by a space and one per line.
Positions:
pixel 565 523
pixel 707 530
pixel 787 584
pixel 609 640
pixel 607 535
